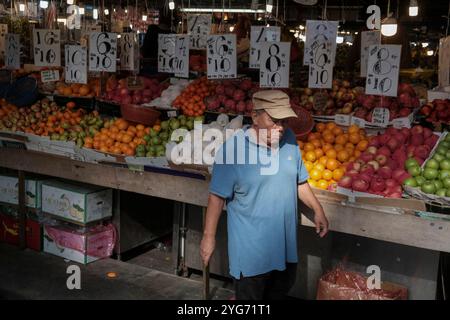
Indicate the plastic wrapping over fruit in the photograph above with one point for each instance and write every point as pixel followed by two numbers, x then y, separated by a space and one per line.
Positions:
pixel 340 284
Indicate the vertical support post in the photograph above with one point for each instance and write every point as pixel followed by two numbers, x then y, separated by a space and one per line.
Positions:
pixel 22 211
pixel 205 267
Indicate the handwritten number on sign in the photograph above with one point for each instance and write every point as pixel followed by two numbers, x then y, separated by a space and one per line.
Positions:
pixel 273 64
pixel 381 67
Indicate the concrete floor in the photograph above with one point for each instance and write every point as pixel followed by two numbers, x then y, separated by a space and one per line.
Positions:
pixel 35 275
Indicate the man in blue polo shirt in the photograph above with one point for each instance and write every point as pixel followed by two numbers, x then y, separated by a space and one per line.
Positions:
pixel 259 173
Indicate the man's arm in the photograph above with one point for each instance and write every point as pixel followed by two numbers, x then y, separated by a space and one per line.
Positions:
pixel 307 196
pixel 213 212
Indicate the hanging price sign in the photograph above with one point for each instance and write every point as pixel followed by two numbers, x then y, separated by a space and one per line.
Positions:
pixel 166 52
pixel 258 35
pixel 102 51
pixel 274 65
pixel 317 33
pixel 12 51
pixel 199 27
pixel 128 51
pixel 76 64
pixel 321 67
pixel 368 38
pixel 383 69
pixel 3 32
pixel 221 56
pixel 181 67
pixel 47 49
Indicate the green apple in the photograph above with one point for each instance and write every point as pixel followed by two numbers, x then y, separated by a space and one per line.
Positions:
pixel 414 171
pixel 444 144
pixel 420 180
pixel 411 162
pixel 439 184
pixel 441 192
pixel 444 174
pixel 432 164
pixel 441 150
pixel 448 193
pixel 447 138
pixel 164 125
pixel 446 182
pixel 411 182
pixel 447 155
pixel 430 174
pixel 445 164
pixel 437 157
pixel 428 187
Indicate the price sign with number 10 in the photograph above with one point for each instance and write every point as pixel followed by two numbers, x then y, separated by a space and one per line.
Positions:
pixel 274 65
pixel 221 56
pixel 76 64
pixel 47 50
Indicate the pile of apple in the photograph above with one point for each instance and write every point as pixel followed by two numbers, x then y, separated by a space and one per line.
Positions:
pixel 117 91
pixel 401 106
pixel 341 99
pixel 380 169
pixel 233 97
pixel 437 111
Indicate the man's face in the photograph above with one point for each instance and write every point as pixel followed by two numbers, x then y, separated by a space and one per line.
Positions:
pixel 274 127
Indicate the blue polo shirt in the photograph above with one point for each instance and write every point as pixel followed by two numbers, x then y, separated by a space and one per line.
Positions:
pixel 261 198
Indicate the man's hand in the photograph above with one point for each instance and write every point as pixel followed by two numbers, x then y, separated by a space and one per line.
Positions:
pixel 207 248
pixel 321 223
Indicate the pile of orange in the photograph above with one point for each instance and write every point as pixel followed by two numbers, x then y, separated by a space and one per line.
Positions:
pixel 118 137
pixel 79 90
pixel 6 108
pixel 190 101
pixel 327 151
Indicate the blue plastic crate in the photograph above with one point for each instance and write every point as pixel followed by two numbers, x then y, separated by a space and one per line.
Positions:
pixel 23 92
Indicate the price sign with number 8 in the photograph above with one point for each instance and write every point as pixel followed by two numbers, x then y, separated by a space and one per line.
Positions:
pixel 274 66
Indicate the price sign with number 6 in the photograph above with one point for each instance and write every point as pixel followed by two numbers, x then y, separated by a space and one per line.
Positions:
pixel 274 65
pixel 47 49
pixel 102 51
pixel 221 56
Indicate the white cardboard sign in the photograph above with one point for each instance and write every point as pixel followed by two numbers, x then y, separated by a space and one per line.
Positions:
pixel 318 32
pixel 258 35
pixel 182 56
pixel 47 49
pixel 199 27
pixel 444 62
pixel 76 64
pixel 3 32
pixel 102 51
pixel 128 51
pixel 166 52
pixel 274 66
pixel 321 66
pixel 12 51
pixel 49 76
pixel 368 38
pixel 380 116
pixel 383 69
pixel 221 56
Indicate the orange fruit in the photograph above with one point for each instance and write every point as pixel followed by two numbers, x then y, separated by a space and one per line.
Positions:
pixel 343 155
pixel 349 145
pixel 329 138
pixel 301 144
pixel 338 174
pixel 127 138
pixel 323 160
pixel 338 147
pixel 104 149
pixel 312 183
pixel 140 127
pixel 327 174
pixel 316 143
pixel 362 145
pixel 342 139
pixel 354 138
pixel 357 153
pixel 320 127
pixel 319 153
pixel 315 174
pixel 309 147
pixel 352 158
pixel 310 156
pixel 308 165
pixel 319 166
pixel 331 126
pixel 332 164
pixel 331 154
pixel 322 184
pixel 362 132
pixel 337 131
pixel 326 147
pixel 353 129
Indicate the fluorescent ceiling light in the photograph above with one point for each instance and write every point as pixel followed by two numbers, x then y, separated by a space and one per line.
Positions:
pixel 144 17
pixel 95 14
pixel 389 27
pixel 81 10
pixel 222 10
pixel 339 39
pixel 69 1
pixel 430 52
pixel 413 8
pixel 43 4
pixel 425 44
pixel 106 12
pixel 21 7
pixel 171 5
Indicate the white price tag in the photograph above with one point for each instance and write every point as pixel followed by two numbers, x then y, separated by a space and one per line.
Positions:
pixel 182 56
pixel 47 49
pixel 258 35
pixel 3 32
pixel 221 56
pixel 342 119
pixel 359 122
pixel 76 64
pixel 380 116
pixel 128 51
pixel 368 38
pixel 199 27
pixel 444 62
pixel 102 51
pixel 274 67
pixel 320 101
pixel 49 75
pixel 166 52
pixel 12 51
pixel 74 17
pixel 171 114
pixel 318 32
pixel 383 69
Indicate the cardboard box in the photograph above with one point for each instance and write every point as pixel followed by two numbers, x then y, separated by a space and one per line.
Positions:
pixel 80 246
pixel 9 191
pixel 438 93
pixel 76 202
pixel 9 232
